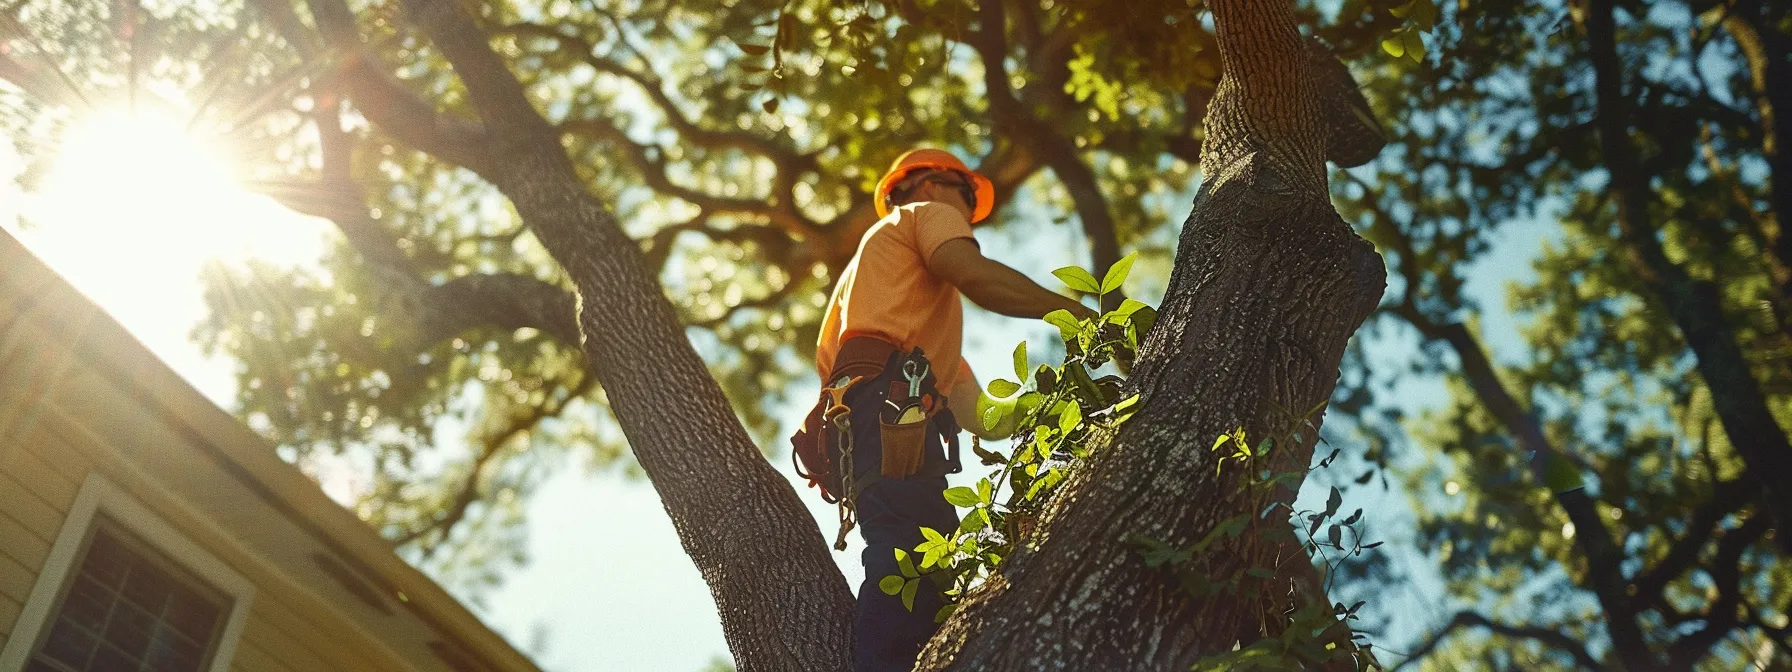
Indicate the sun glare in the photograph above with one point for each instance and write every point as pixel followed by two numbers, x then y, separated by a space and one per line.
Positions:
pixel 132 209
pixel 140 184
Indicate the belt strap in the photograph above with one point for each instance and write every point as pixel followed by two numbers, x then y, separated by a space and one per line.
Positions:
pixel 860 356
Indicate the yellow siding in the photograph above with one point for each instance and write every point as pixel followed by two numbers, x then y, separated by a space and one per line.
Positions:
pixel 249 658
pixel 53 465
pixel 17 500
pixel 22 543
pixel 301 644
pixel 15 583
pixel 9 615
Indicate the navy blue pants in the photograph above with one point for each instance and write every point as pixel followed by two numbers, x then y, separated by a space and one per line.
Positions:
pixel 891 515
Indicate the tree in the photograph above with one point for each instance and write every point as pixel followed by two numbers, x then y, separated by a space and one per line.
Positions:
pixel 630 337
pixel 1591 475
pixel 444 301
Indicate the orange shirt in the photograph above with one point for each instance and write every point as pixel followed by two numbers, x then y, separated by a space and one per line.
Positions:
pixel 887 292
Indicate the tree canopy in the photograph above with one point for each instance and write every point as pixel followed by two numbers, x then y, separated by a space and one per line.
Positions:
pixel 1597 485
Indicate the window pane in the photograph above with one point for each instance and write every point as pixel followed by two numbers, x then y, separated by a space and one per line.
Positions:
pixel 128 609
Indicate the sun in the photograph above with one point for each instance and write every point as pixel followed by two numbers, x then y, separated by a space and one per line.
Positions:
pixel 141 184
pixel 132 210
pixel 141 191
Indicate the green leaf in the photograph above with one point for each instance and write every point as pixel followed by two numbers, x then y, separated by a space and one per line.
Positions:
pixel 973 522
pixel 945 612
pixel 1233 525
pixel 1117 273
pixel 962 496
pixel 1560 473
pixel 1415 45
pixel 1002 387
pixel 1126 408
pixel 891 585
pixel 771 105
pixel 1067 324
pixel 985 489
pixel 1078 279
pixel 1335 534
pixel 1020 362
pixel 753 49
pixel 1402 11
pixel 1333 501
pixel 907 566
pixel 1142 320
pixel 1128 307
pixel 1070 418
pixel 1424 14
pixel 1220 442
pixel 1394 45
pixel 908 593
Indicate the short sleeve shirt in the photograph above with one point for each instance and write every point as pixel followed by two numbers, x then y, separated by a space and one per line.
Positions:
pixel 888 292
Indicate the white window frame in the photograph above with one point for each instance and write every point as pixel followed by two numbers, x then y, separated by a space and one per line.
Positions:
pixel 98 496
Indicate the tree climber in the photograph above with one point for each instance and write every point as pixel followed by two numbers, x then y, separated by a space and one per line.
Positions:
pixel 882 439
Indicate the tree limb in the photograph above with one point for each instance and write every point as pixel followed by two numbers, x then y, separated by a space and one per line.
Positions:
pixel 648 162
pixel 1726 573
pixel 1014 121
pixel 381 98
pixel 1547 637
pixel 1695 305
pixel 443 525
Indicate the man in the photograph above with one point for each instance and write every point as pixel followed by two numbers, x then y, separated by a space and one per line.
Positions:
pixel 889 343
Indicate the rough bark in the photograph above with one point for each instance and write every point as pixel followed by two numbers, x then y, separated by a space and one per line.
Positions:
pixel 1268 286
pixel 1695 305
pixel 783 605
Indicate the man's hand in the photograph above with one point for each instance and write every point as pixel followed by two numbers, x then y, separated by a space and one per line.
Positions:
pixel 996 287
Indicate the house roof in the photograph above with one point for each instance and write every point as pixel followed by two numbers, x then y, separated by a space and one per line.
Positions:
pixel 264 504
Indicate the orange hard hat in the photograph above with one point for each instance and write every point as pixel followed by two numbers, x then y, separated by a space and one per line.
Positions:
pixel 936 159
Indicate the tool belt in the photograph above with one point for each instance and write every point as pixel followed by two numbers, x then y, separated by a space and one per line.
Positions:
pixel 917 436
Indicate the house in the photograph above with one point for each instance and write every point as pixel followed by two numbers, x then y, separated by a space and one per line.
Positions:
pixel 144 528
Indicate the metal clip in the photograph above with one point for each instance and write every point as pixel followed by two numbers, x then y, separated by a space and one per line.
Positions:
pixel 914 371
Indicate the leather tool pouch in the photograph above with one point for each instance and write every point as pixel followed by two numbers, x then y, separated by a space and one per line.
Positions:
pixel 905 447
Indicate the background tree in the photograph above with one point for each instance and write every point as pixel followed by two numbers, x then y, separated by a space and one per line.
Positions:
pixel 1654 358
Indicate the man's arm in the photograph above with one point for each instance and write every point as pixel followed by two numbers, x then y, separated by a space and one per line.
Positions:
pixel 994 286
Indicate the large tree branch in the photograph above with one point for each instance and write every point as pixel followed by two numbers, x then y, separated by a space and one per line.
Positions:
pixel 649 162
pixel 1545 636
pixel 787 158
pixel 1014 121
pixel 378 95
pixel 731 509
pixel 1592 535
pixel 1726 573
pixel 1726 498
pixel 1266 102
pixel 1695 305
pixel 472 485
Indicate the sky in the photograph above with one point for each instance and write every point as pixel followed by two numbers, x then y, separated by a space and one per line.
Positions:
pixel 133 209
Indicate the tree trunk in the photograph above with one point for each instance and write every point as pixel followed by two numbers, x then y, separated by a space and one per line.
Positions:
pixel 1268 286
pixel 782 601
